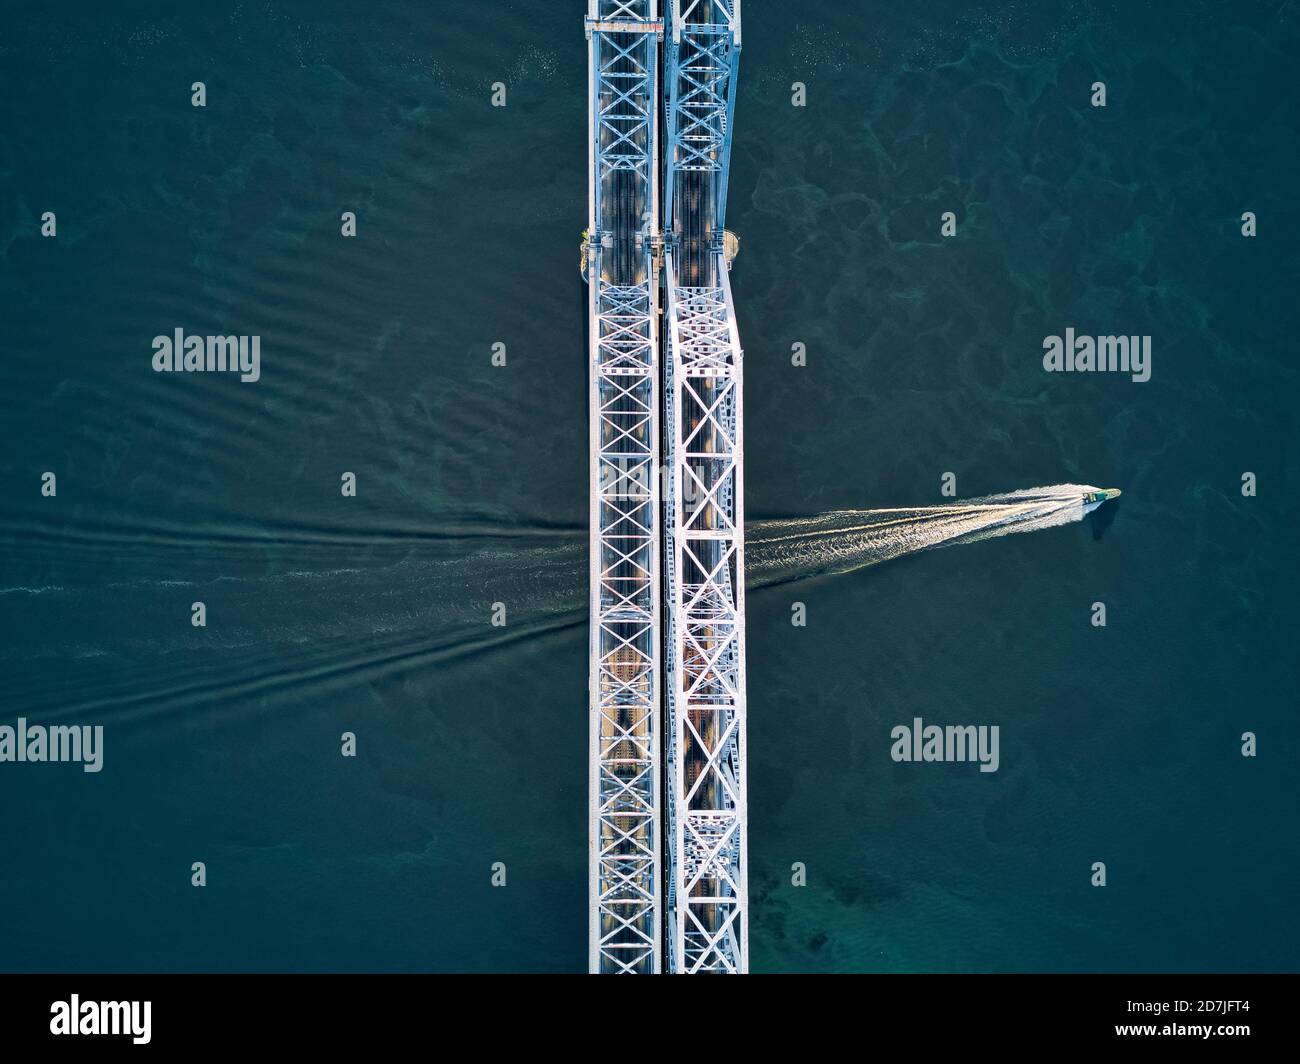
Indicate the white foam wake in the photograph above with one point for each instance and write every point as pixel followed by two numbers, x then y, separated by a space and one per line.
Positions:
pixel 844 540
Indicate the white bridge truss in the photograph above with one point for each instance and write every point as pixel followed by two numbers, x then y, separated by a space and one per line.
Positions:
pixel 708 907
pixel 623 290
pixel 705 669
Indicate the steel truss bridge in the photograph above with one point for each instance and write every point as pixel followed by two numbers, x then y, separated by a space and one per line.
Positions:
pixel 668 863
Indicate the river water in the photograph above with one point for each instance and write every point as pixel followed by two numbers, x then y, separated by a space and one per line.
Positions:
pixel 371 614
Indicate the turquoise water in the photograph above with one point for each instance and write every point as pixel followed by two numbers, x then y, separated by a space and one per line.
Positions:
pixel 371 614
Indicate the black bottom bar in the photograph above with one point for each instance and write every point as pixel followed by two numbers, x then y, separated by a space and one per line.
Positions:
pixel 341 1013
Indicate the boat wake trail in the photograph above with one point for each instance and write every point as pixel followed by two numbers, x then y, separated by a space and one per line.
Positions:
pixel 342 614
pixel 844 540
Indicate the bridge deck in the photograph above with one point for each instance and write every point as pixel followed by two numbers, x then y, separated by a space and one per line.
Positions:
pixel 624 673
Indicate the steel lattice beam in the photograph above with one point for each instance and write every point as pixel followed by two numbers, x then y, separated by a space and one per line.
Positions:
pixel 708 896
pixel 625 933
pixel 701 57
pixel 707 903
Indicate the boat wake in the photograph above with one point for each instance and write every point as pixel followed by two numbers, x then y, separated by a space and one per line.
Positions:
pixel 343 615
pixel 844 540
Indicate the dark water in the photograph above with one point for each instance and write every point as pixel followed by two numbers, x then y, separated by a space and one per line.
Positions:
pixel 371 614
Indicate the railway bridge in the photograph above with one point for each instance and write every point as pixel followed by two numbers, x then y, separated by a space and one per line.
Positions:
pixel 668 861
